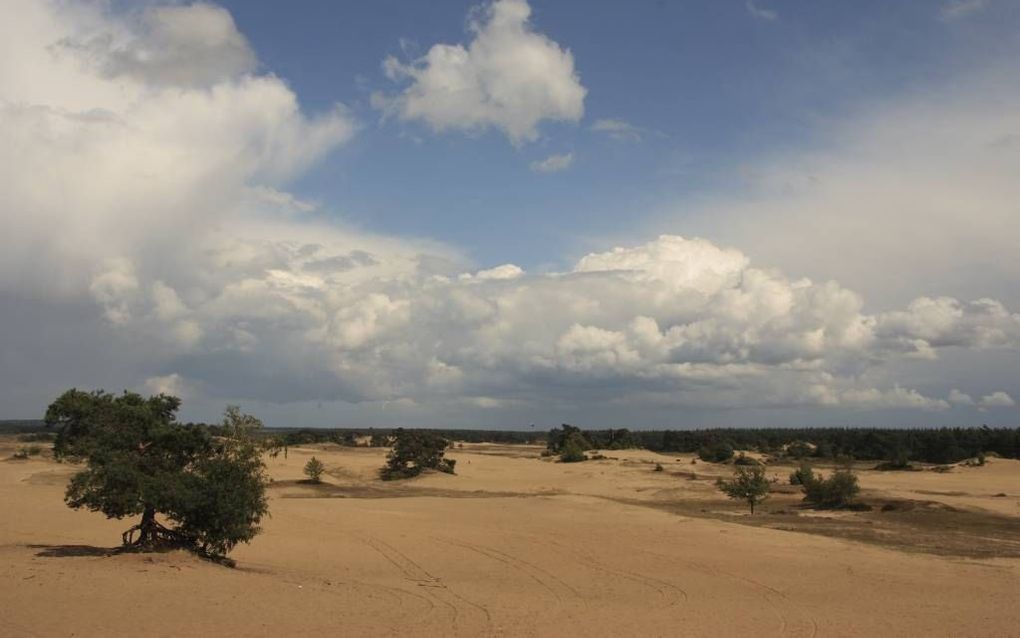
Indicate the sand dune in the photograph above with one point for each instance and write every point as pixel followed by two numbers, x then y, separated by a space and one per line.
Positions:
pixel 515 546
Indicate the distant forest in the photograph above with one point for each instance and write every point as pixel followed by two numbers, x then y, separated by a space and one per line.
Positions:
pixel 926 445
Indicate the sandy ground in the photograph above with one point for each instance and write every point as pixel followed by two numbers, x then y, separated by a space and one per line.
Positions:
pixel 517 546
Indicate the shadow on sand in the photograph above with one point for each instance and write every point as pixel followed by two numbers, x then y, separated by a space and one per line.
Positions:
pixel 65 551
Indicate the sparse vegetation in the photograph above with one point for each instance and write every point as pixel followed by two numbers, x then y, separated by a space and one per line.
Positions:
pixel 836 491
pixel 977 461
pixel 37 437
pixel 799 450
pixel 659 468
pixel 139 460
pixel 415 451
pixel 716 452
pixel 749 484
pixel 803 474
pixel 572 452
pixel 743 459
pixel 314 469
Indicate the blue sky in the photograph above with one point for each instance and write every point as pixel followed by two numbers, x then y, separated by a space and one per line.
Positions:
pixel 492 214
pixel 709 83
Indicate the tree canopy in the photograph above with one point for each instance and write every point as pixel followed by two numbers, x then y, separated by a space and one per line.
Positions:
pixel 749 484
pixel 415 451
pixel 139 460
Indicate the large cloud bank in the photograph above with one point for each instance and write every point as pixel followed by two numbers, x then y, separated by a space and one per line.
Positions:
pixel 145 181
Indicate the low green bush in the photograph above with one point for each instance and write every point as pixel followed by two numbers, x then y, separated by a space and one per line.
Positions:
pixel 718 452
pixel 836 491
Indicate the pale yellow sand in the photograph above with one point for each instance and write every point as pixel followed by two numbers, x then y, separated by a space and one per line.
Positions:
pixel 512 545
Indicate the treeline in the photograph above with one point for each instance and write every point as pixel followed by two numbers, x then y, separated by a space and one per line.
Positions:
pixel 932 445
pixel 941 445
pixel 383 437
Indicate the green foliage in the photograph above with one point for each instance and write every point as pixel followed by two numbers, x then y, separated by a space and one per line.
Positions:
pixel 799 450
pixel 897 461
pixel 804 474
pixel 743 459
pixel 567 436
pixel 572 449
pixel 927 445
pixel 26 451
pixel 716 452
pixel 314 469
pixel 836 491
pixel 415 451
pixel 977 461
pixel 748 484
pixel 140 460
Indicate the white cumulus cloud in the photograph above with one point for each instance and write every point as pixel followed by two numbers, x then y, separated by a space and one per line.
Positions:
pixel 508 77
pixel 150 241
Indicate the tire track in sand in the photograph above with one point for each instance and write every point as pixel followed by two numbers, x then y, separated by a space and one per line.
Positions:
pixel 546 579
pixel 671 594
pixel 778 602
pixel 433 586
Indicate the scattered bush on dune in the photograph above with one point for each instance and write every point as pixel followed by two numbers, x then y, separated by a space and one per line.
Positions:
pixel 716 452
pixel 803 474
pixel 314 469
pixel 748 484
pixel 743 459
pixel 415 451
pixel 836 491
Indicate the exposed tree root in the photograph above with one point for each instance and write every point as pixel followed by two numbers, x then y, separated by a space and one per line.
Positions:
pixel 151 536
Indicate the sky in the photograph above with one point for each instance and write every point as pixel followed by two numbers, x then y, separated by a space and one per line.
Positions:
pixel 500 214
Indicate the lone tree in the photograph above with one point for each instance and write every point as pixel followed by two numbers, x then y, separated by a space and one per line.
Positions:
pixel 415 451
pixel 140 460
pixel 314 469
pixel 749 483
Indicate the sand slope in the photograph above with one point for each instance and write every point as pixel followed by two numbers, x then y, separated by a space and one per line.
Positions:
pixel 511 546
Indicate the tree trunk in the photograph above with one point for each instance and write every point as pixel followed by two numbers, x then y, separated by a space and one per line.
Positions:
pixel 147 528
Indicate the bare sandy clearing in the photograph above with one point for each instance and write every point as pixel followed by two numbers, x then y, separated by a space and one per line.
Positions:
pixel 513 545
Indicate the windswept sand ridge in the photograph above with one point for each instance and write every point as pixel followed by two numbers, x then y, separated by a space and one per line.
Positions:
pixel 528 547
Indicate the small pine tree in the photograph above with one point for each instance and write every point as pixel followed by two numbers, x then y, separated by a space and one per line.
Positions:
pixel 749 484
pixel 314 469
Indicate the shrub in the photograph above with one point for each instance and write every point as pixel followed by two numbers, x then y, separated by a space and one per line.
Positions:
pixel 415 451
pixel 717 452
pixel 748 484
pixel 836 491
pixel 977 461
pixel 314 469
pixel 803 474
pixel 799 450
pixel 659 468
pixel 572 453
pixel 743 459
pixel 567 435
pixel 20 455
